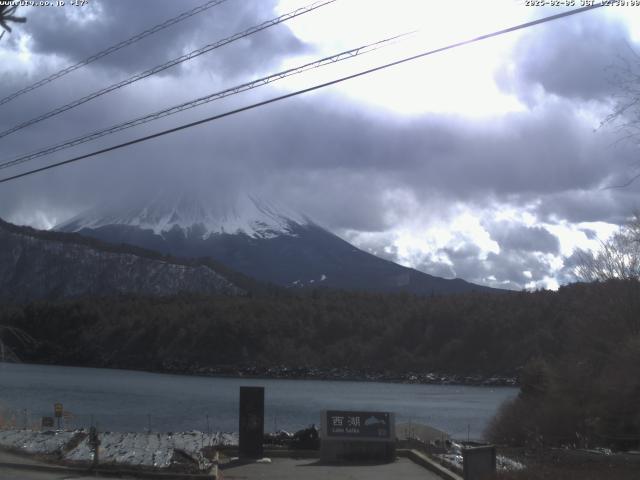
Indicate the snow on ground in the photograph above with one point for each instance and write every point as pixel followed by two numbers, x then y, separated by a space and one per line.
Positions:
pixel 150 449
pixel 30 441
pixel 506 463
pixel 159 450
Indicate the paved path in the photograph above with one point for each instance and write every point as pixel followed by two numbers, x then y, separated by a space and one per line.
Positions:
pixel 26 474
pixel 6 457
pixel 310 469
pixel 13 474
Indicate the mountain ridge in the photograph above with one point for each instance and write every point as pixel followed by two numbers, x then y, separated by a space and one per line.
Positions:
pixel 46 265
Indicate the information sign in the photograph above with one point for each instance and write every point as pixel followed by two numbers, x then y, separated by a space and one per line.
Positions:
pixel 365 425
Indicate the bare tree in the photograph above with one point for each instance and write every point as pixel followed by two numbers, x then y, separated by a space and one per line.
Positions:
pixel 624 120
pixel 618 257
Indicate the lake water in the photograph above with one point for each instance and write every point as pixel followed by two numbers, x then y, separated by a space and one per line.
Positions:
pixel 123 400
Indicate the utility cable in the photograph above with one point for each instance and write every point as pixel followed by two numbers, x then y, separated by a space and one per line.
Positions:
pixel 169 64
pixel 305 90
pixel 347 54
pixel 113 48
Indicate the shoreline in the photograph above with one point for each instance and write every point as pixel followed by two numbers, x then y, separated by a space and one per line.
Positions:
pixel 283 372
pixel 406 379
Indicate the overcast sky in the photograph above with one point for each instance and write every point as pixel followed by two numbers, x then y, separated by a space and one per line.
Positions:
pixel 485 162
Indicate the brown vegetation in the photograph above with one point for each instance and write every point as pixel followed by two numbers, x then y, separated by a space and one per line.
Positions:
pixel 586 394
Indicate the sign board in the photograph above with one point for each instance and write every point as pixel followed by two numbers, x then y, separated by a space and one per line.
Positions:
pixel 47 422
pixel 357 436
pixel 57 409
pixel 358 425
pixel 251 422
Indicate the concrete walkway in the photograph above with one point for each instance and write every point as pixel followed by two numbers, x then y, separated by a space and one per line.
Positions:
pixel 14 467
pixel 14 474
pixel 6 457
pixel 30 470
pixel 310 469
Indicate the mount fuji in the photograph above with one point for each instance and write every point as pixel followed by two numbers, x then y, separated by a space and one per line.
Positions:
pixel 257 238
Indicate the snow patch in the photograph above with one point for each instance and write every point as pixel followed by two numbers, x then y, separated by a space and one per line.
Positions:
pixel 151 449
pixel 30 441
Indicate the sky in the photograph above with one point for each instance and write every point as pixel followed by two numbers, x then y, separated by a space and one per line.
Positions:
pixel 489 162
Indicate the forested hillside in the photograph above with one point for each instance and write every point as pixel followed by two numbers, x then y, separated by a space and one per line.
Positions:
pixel 468 333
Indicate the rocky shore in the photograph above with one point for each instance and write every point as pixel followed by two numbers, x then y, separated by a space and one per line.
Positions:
pixel 344 373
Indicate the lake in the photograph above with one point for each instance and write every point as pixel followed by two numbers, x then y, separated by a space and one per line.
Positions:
pixel 124 400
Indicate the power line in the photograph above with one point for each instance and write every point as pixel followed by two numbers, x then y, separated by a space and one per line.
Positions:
pixel 205 99
pixel 169 64
pixel 305 90
pixel 113 48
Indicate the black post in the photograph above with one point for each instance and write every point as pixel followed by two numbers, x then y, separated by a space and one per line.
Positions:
pixel 251 421
pixel 94 444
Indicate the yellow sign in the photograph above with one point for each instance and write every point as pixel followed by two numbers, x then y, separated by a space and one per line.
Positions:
pixel 57 408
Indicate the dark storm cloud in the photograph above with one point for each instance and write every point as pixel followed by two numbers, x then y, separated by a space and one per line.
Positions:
pixel 75 33
pixel 541 153
pixel 521 159
pixel 573 59
pixel 319 152
pixel 524 238
pixel 321 158
pixel 604 205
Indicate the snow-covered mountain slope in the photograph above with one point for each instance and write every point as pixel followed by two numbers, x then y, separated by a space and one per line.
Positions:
pixel 258 239
pixel 189 212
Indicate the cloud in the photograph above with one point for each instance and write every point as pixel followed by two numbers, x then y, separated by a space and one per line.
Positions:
pixel 572 60
pixel 524 238
pixel 354 171
pixel 75 33
pixel 396 185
